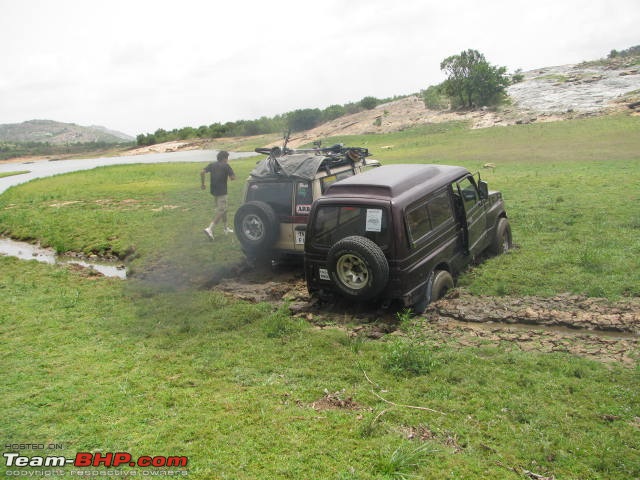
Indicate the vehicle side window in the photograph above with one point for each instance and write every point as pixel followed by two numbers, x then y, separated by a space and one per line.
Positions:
pixel 429 216
pixel 439 209
pixel 418 222
pixel 276 194
pixel 469 193
pixel 327 181
pixel 304 198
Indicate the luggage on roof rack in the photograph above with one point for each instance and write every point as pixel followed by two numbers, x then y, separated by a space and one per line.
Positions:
pixel 305 163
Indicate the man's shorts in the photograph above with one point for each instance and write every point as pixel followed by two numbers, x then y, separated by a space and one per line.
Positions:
pixel 221 203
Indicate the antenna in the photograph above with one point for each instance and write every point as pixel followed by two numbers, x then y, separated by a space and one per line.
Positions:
pixel 286 140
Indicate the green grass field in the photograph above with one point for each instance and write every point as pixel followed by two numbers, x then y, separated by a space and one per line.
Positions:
pixel 158 365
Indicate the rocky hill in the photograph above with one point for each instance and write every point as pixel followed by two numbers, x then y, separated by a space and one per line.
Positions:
pixel 57 133
pixel 546 94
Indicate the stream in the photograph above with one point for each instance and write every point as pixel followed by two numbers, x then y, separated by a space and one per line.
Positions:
pixel 28 251
pixel 47 168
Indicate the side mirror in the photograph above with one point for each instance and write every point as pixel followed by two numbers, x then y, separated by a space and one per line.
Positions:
pixel 484 189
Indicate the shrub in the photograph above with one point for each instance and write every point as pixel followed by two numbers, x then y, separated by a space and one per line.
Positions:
pixel 434 98
pixel 369 103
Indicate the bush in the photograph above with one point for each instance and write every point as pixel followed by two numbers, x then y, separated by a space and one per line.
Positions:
pixel 332 112
pixel 516 77
pixel 629 52
pixel 300 120
pixel 434 98
pixel 369 103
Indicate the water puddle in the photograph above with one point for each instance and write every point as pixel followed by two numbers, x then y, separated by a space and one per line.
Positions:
pixel 27 251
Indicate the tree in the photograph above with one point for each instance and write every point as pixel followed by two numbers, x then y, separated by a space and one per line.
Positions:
pixel 434 98
pixel 332 112
pixel 472 81
pixel 304 119
pixel 369 103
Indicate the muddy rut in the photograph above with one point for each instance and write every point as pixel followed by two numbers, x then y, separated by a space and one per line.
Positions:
pixel 589 327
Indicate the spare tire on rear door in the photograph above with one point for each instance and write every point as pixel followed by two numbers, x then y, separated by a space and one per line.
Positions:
pixel 256 226
pixel 358 268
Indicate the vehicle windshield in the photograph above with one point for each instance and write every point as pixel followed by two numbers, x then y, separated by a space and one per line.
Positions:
pixel 333 223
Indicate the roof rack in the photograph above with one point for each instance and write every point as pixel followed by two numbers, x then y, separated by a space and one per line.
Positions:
pixel 335 150
pixel 306 162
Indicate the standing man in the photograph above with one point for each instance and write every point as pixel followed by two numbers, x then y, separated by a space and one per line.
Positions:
pixel 220 171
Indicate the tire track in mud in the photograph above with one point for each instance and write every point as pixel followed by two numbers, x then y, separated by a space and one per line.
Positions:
pixel 590 327
pixel 565 310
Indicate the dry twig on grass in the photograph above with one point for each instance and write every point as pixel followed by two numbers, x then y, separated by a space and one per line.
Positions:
pixel 397 404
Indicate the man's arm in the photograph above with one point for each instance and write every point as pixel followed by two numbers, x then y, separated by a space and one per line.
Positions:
pixel 202 174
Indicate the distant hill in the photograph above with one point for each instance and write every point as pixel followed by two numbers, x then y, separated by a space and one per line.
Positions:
pixel 58 133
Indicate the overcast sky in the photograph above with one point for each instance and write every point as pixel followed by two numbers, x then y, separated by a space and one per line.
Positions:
pixel 139 65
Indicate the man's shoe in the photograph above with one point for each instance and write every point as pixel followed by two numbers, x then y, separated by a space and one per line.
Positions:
pixel 208 233
pixel 228 230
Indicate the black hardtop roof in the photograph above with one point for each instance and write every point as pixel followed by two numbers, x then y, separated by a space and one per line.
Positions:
pixel 390 181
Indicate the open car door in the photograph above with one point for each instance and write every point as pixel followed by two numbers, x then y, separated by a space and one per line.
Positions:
pixel 475 215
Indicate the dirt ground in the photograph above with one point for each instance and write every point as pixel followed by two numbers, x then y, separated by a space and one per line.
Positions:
pixel 589 327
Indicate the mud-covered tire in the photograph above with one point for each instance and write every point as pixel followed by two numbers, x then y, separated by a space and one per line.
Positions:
pixel 420 306
pixel 256 227
pixel 502 241
pixel 442 283
pixel 358 268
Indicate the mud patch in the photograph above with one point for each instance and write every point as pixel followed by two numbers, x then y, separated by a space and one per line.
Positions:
pixel 335 401
pixel 422 433
pixel 273 286
pixel 569 311
pixel 587 327
pixel 590 327
pixel 593 345
pixel 286 285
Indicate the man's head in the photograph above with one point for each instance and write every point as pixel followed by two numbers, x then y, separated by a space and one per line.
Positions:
pixel 223 156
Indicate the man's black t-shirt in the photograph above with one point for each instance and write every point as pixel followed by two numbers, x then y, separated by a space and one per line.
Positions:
pixel 220 172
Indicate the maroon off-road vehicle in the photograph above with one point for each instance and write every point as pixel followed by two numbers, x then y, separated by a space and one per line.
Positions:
pixel 402 232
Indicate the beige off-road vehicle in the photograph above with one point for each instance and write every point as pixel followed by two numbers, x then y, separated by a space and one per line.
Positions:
pixel 271 223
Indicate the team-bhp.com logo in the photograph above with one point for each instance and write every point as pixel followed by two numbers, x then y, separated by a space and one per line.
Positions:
pixel 86 459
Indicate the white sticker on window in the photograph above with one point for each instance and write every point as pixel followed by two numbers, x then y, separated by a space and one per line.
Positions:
pixel 374 220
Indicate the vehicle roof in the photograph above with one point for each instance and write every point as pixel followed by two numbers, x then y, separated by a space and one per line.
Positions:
pixel 392 181
pixel 305 165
